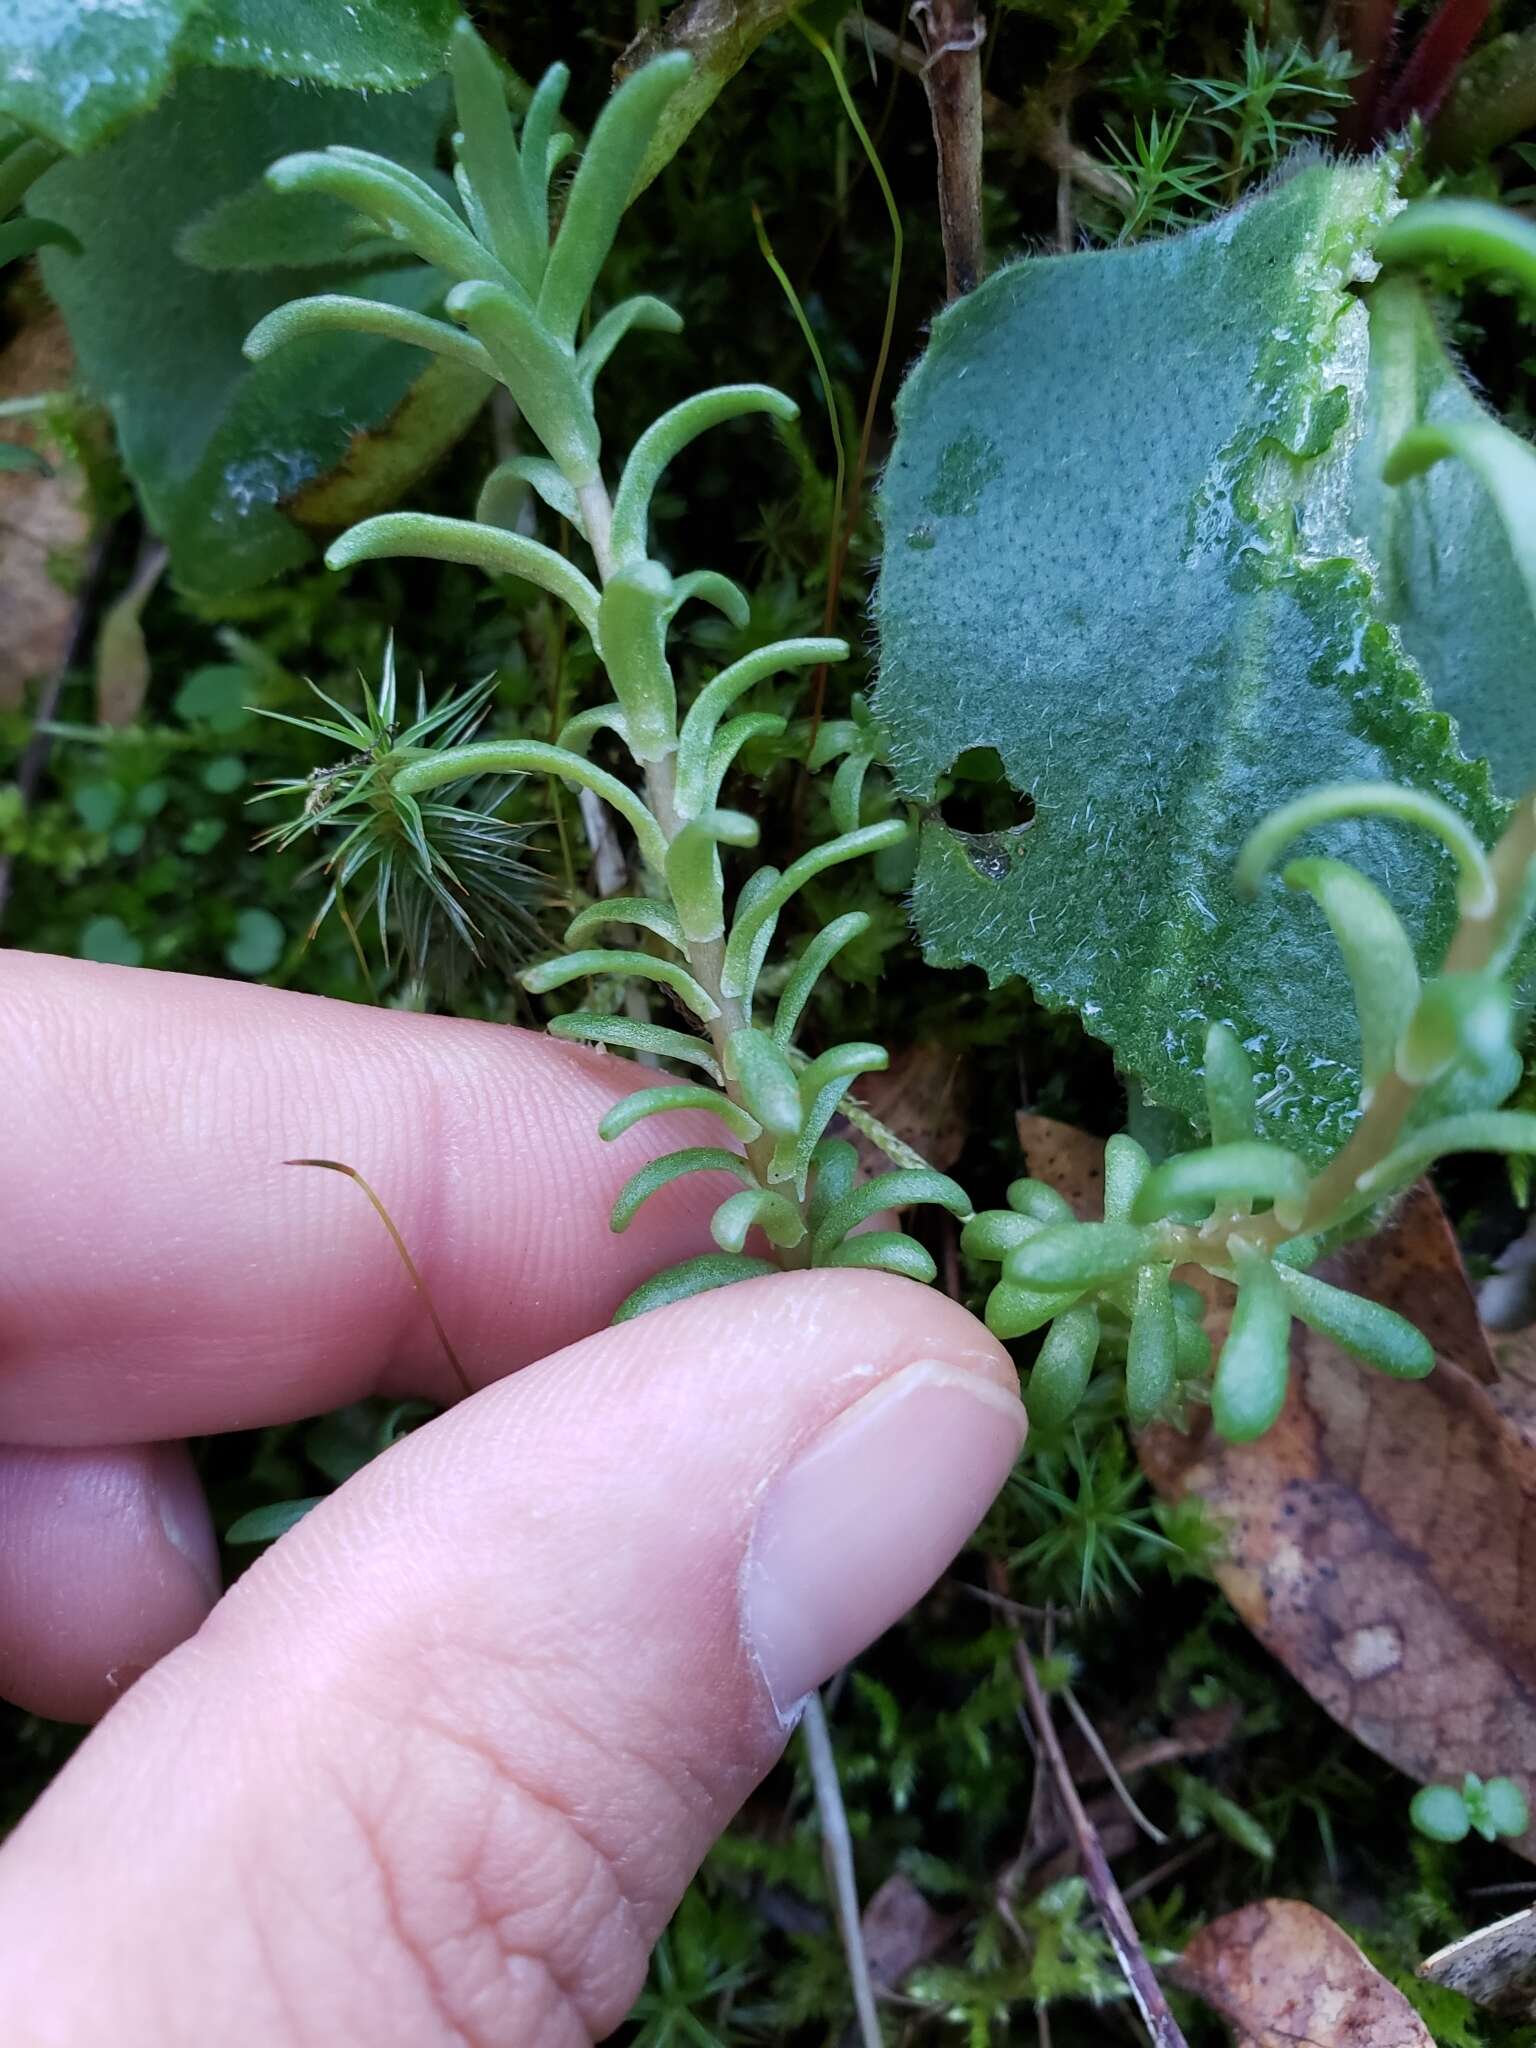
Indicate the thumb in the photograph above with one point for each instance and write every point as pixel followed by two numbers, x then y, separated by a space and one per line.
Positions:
pixel 439 1767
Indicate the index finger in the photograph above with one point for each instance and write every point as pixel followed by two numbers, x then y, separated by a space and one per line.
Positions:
pixel 165 1274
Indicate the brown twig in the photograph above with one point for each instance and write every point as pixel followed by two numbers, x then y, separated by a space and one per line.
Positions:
pixel 953 33
pixel 1112 1909
pixel 1036 128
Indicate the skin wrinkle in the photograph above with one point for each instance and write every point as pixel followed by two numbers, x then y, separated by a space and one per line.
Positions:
pixel 516 1814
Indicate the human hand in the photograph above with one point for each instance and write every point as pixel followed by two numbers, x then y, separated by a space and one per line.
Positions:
pixel 439 1767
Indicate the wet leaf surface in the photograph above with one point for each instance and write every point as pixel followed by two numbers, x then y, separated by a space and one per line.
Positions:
pixel 233 459
pixel 1109 572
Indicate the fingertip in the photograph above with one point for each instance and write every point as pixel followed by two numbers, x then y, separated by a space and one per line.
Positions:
pixel 107 1561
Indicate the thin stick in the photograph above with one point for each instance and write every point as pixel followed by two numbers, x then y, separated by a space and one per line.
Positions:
pixel 953 33
pixel 837 1849
pixel 420 1285
pixel 1091 1736
pixel 1112 1909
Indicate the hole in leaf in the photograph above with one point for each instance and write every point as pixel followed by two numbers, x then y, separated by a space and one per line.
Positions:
pixel 979 800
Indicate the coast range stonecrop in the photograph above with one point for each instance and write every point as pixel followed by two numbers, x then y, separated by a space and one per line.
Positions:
pixel 516 301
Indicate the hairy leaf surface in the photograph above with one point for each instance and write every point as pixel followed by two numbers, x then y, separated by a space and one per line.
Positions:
pixel 1123 547
pixel 75 73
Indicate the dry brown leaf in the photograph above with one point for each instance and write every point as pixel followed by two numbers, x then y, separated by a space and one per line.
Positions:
pixel 1495 1967
pixel 1066 1158
pixel 901 1929
pixel 922 1098
pixel 1376 1540
pixel 44 520
pixel 1285 1976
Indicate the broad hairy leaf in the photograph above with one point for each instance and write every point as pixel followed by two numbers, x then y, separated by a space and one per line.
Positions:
pixel 232 460
pixel 75 73
pixel 1123 548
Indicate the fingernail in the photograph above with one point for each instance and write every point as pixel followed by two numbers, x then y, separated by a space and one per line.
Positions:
pixel 183 1512
pixel 868 1516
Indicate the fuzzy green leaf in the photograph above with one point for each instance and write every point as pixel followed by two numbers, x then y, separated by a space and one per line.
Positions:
pixel 1378 1335
pixel 672 1098
pixel 1013 1310
pixel 600 190
pixel 591 1028
pixel 1252 1171
pixel 499 553
pixel 1152 1355
pixel 660 1173
pixel 885 1251
pixel 583 964
pixel 1155 601
pixel 1254 1367
pixel 1079 1255
pixel 1063 1367
pixel 1377 955
pixel 667 438
pixel 694 1276
pixel 756 1208
pixel 897 1190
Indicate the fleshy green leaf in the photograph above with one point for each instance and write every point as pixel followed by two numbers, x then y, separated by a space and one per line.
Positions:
pixel 1063 1367
pixel 885 1251
pixel 667 438
pixel 765 1081
pixel 584 963
pixel 1152 1353
pixel 1158 605
pixel 1378 1335
pixel 1126 1167
pixel 676 1096
pixel 1376 952
pixel 693 1276
pixel 1229 1097
pixel 634 1035
pixel 1254 1367
pixel 644 911
pixel 1078 1255
pixel 896 1190
pixel 756 1208
pixel 1223 1173
pixel 660 1173
pixel 808 969
pixel 265 1525
pixel 600 190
